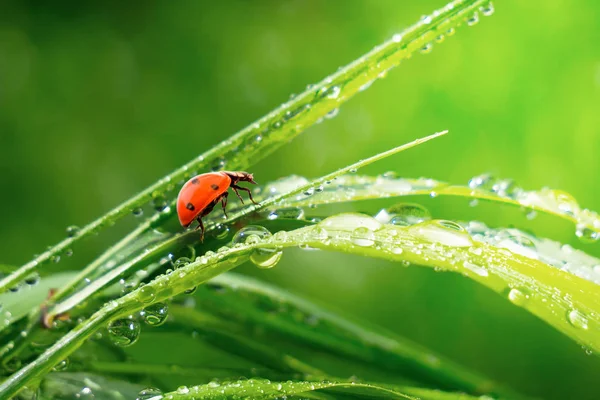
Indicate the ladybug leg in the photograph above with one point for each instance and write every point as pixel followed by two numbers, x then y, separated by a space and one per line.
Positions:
pixel 235 189
pixel 224 202
pixel 201 227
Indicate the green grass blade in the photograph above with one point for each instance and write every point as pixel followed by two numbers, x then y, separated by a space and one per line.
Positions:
pixel 261 389
pixel 253 304
pixel 549 201
pixel 283 123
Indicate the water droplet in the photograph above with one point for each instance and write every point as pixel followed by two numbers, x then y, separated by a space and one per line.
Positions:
pixel 427 48
pixel 72 231
pixel 353 170
pixel 478 269
pixel 149 393
pixel 450 32
pixel 221 231
pixel 251 234
pixel 319 233
pixel 349 221
pixel 155 314
pixel 531 215
pixel 448 233
pixel 183 390
pixel 586 234
pixel 397 38
pixel 473 19
pixel 181 262
pixel 332 114
pixel 487 9
pixel 124 332
pixel 146 294
pixel 577 319
pixel 426 19
pixel 32 279
pixel 62 365
pixel 363 236
pixel 138 212
pixel 481 182
pixel 159 202
pixel 519 296
pixel 287 213
pixel 439 38
pixel 86 394
pixel 405 214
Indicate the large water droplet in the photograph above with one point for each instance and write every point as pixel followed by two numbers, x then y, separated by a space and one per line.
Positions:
pixel 266 258
pixel 146 294
pixel 473 19
pixel 577 319
pixel 448 233
pixel 155 314
pixel 349 221
pixel 405 214
pixel 481 182
pixel 427 48
pixel 251 234
pixel 149 393
pixel 124 332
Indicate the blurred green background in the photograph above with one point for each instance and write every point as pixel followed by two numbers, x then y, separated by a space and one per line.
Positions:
pixel 100 99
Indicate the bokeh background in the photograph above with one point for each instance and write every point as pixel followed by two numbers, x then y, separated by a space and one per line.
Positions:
pixel 100 99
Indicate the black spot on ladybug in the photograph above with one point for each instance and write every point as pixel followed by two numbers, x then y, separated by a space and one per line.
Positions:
pixel 214 187
pixel 190 206
pixel 195 181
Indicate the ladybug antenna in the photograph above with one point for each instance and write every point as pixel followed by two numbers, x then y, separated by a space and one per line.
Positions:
pixel 251 179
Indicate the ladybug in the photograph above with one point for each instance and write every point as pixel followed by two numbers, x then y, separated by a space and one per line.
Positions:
pixel 202 193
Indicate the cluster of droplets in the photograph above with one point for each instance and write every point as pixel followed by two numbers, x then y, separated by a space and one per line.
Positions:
pixel 555 201
pixel 561 256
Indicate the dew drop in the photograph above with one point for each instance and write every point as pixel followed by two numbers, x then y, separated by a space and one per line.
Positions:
pixel 397 38
pixel 72 231
pixel 155 314
pixel 439 38
pixel 405 214
pixel 149 393
pixel 450 32
pixel 349 221
pixel 481 182
pixel 586 234
pixel 86 394
pixel 426 19
pixel 287 213
pixel 427 48
pixel 577 319
pixel 487 9
pixel 138 212
pixel 332 114
pixel 124 332
pixel 181 262
pixel 251 234
pixel 221 231
pixel 159 202
pixel 363 236
pixel 32 279
pixel 473 19
pixel 448 233
pixel 146 294
pixel 519 296
pixel 62 365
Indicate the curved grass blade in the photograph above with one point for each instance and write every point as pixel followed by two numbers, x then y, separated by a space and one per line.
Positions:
pixel 282 124
pixel 247 304
pixel 549 201
pixel 261 389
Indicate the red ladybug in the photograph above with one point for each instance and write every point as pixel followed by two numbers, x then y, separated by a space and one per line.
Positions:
pixel 202 193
